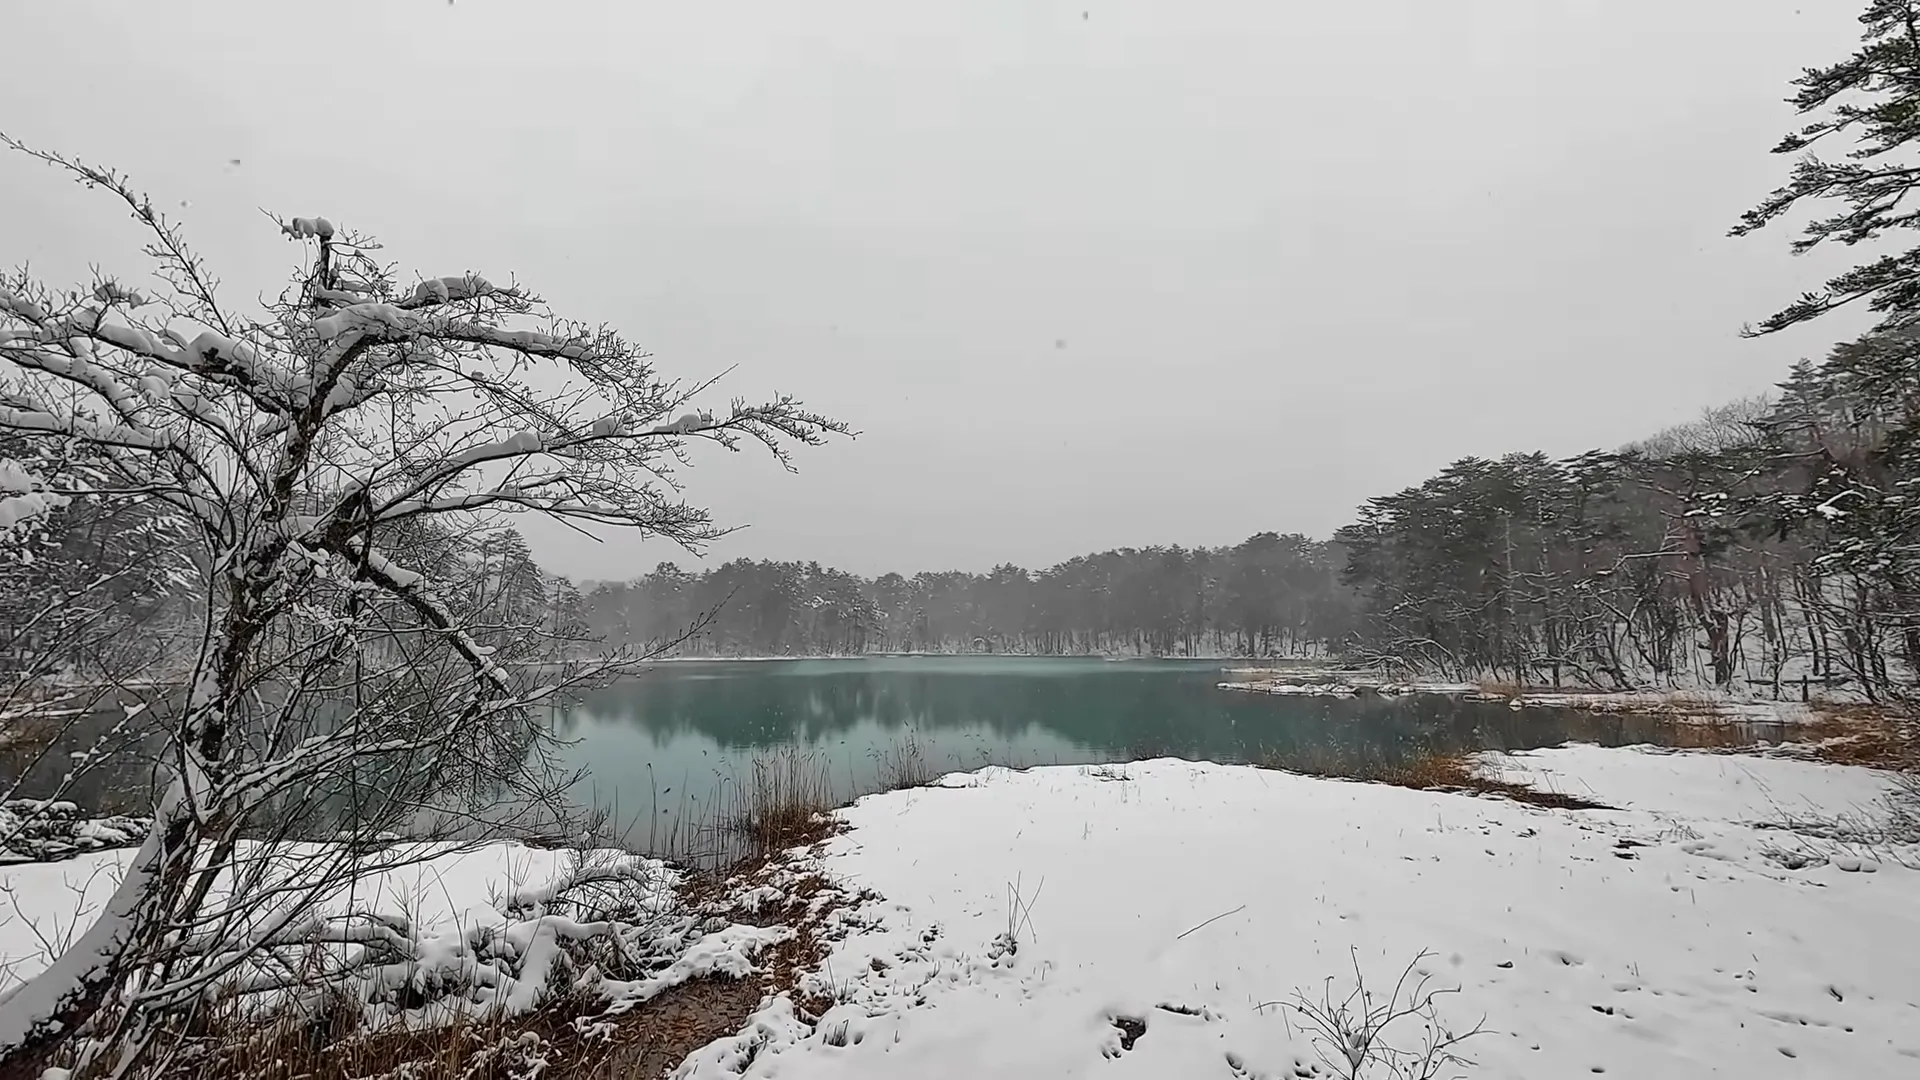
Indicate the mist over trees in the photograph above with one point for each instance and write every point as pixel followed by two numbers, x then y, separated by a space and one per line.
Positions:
pixel 1271 594
pixel 269 543
pixel 1769 542
pixel 1760 545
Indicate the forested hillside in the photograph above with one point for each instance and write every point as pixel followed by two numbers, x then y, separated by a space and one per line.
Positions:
pixel 1771 541
pixel 1733 549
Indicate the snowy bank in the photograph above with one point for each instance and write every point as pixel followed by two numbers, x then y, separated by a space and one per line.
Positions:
pixel 37 830
pixel 1354 688
pixel 1673 704
pixel 1681 785
pixel 1680 704
pixel 460 933
pixel 1144 920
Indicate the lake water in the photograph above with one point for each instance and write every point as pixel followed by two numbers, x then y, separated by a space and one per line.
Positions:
pixel 670 753
pixel 674 742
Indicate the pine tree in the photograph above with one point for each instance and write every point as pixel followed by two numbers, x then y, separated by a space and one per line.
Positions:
pixel 1872 180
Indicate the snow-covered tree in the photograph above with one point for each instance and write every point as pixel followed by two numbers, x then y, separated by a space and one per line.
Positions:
pixel 1843 471
pixel 329 452
pixel 91 601
pixel 1866 98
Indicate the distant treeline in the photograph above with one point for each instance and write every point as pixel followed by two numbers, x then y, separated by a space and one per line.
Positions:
pixel 1772 542
pixel 1768 543
pixel 1271 594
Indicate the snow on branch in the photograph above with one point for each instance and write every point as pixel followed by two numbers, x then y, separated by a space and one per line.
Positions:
pixel 46 422
pixel 23 497
pixel 413 590
pixel 334 453
pixel 177 264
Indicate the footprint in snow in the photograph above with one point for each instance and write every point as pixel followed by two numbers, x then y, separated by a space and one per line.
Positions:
pixel 1199 1012
pixel 1298 1069
pixel 1127 1031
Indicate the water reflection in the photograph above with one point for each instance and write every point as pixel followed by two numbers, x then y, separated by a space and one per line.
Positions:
pixel 673 741
pixel 668 753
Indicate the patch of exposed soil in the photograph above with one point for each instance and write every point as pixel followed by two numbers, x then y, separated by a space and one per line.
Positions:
pixel 652 1041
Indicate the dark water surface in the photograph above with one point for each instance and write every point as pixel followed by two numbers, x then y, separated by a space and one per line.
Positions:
pixel 674 741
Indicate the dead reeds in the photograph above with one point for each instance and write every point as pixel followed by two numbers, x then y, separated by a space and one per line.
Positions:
pixel 1425 771
pixel 785 801
pixel 567 1036
pixel 903 764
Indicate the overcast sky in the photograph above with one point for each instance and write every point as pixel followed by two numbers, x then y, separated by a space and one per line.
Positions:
pixel 1085 273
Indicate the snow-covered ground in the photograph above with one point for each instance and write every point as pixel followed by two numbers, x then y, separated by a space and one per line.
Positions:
pixel 1288 687
pixel 1682 785
pixel 483 925
pixel 1158 909
pixel 38 830
pixel 1680 704
pixel 1157 919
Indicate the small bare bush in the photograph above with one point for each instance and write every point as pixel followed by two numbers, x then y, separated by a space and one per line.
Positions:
pixel 1354 1035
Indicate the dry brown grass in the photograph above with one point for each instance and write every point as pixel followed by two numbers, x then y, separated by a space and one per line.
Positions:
pixel 804 952
pixel 1707 733
pixel 808 900
pixel 904 764
pixel 678 1022
pixel 645 1042
pixel 572 1032
pixel 1435 772
pixel 1447 773
pixel 1858 733
pixel 786 802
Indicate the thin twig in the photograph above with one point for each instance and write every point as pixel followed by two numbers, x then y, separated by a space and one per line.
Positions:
pixel 1215 919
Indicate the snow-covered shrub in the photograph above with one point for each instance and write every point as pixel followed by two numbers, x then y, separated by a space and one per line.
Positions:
pixel 42 830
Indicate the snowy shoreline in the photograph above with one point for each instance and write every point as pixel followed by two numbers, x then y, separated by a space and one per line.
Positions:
pixel 1045 921
pixel 36 830
pixel 1675 703
pixel 1351 687
pixel 1048 921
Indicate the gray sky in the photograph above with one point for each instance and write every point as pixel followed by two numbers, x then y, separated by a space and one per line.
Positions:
pixel 1162 273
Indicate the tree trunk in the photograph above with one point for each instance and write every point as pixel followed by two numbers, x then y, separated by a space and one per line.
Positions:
pixel 37 1017
pixel 1711 619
